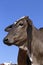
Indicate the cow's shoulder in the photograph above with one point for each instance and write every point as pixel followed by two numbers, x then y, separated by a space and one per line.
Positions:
pixel 41 29
pixel 41 33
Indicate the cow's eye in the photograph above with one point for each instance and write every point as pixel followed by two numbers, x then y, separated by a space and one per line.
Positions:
pixel 21 24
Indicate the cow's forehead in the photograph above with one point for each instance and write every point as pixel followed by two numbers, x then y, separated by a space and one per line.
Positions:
pixel 24 17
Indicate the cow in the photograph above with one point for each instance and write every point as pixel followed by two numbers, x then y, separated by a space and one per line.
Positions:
pixel 28 38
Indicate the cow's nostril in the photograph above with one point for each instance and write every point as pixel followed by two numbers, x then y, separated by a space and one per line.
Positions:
pixel 5 40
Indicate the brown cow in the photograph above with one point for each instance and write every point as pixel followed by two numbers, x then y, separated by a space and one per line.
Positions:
pixel 22 56
pixel 27 37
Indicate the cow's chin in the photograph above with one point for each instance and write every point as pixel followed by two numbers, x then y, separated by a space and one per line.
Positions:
pixel 18 43
pixel 9 44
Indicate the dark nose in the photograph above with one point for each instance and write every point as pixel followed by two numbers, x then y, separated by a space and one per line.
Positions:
pixel 5 40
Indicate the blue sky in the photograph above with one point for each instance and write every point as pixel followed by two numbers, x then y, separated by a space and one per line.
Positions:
pixel 10 11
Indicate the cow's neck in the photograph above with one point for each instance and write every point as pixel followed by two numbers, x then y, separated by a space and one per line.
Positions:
pixel 36 48
pixel 24 46
pixel 23 58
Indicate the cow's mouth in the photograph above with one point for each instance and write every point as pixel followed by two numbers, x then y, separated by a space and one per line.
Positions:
pixel 7 42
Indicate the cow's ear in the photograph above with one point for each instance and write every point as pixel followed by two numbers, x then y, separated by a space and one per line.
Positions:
pixel 29 33
pixel 7 29
pixel 29 26
pixel 29 21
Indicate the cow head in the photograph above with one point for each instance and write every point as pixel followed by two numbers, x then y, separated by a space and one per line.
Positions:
pixel 19 32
